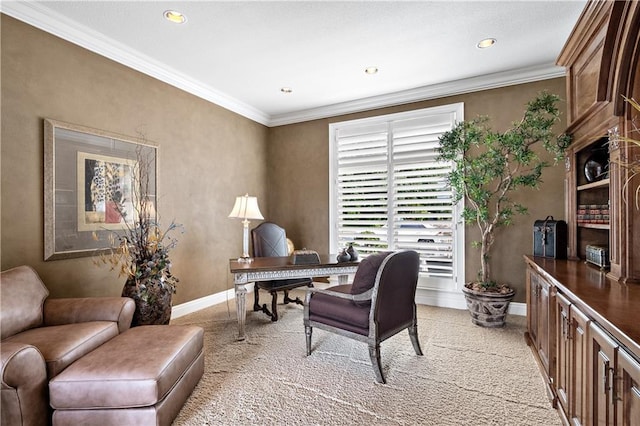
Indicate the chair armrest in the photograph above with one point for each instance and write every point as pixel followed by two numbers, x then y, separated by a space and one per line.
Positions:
pixel 24 384
pixel 353 297
pixel 85 309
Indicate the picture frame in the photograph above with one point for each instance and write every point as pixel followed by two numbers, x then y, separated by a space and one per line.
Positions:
pixel 90 192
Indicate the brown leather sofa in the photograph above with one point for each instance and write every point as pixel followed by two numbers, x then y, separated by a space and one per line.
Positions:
pixel 41 337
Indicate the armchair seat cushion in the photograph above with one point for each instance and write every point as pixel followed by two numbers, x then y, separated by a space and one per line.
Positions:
pixel 331 311
pixel 61 345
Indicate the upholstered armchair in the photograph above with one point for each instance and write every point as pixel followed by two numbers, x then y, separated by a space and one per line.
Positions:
pixel 379 304
pixel 41 337
pixel 270 240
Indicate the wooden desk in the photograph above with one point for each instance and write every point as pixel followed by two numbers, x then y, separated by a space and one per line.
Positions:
pixel 280 268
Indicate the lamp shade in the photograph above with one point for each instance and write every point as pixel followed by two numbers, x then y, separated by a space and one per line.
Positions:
pixel 246 207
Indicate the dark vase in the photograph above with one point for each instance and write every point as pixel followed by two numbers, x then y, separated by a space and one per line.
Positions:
pixel 153 305
pixel 353 253
pixel 343 256
pixel 593 170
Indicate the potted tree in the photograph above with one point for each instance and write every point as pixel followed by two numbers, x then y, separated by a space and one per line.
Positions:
pixel 488 166
pixel 141 252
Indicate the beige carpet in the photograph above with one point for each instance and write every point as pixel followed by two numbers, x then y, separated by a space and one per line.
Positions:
pixel 468 375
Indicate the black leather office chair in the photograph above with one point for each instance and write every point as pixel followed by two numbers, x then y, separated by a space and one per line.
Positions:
pixel 270 240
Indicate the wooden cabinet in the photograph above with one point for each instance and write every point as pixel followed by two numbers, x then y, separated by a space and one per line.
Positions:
pixel 603 353
pixel 590 356
pixel 602 57
pixel 628 396
pixel 578 327
pixel 563 354
pixel 615 378
pixel 571 361
pixel 541 323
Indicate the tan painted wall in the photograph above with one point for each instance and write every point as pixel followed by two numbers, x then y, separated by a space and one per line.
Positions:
pixel 298 158
pixel 207 155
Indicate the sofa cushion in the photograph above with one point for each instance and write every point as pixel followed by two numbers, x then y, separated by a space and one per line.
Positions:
pixel 138 368
pixel 23 295
pixel 61 345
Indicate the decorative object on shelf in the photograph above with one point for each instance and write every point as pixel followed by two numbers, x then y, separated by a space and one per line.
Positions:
pixel 245 208
pixel 141 252
pixel 597 165
pixel 593 213
pixel 594 170
pixel 353 253
pixel 550 238
pixel 598 256
pixel 488 167
pixel 343 256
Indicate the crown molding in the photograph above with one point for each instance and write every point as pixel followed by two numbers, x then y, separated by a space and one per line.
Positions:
pixel 38 16
pixel 468 85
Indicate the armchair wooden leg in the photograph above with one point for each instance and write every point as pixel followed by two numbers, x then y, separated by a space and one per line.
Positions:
pixel 413 334
pixel 308 331
pixel 374 354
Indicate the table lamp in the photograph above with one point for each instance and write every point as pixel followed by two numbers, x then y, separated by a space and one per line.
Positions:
pixel 245 208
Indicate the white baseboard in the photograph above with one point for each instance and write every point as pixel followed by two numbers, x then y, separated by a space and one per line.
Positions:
pixel 455 300
pixel 205 302
pixel 423 297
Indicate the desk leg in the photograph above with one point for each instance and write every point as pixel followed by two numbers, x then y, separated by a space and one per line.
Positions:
pixel 241 310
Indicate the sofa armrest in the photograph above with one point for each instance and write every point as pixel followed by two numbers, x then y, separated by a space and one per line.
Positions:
pixel 24 385
pixel 74 310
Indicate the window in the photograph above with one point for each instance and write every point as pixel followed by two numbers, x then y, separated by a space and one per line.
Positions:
pixel 388 191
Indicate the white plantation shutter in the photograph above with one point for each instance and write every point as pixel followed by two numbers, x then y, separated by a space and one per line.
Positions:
pixel 388 190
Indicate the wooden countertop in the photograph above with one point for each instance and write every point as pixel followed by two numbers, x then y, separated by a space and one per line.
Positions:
pixel 613 305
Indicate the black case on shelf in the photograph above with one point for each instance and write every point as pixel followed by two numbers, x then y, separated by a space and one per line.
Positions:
pixel 550 238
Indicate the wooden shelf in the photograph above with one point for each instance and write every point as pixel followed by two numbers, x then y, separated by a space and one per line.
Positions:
pixel 597 184
pixel 605 226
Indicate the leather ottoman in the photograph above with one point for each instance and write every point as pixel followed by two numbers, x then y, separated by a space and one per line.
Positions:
pixel 140 377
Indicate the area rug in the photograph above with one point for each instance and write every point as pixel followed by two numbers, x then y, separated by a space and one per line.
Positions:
pixel 468 375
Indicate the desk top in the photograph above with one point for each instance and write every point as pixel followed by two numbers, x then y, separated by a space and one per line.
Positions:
pixel 284 263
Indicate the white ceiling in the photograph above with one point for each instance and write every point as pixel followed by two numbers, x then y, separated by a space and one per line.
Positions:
pixel 239 54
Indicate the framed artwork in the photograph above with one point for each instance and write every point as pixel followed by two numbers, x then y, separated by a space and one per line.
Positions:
pixel 92 187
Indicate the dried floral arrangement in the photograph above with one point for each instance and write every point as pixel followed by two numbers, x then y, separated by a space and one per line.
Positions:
pixel 141 251
pixel 632 164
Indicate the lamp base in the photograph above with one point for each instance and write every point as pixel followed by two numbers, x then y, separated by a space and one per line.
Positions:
pixel 245 259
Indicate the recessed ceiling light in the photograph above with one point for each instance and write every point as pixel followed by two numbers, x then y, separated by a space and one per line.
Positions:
pixel 487 42
pixel 371 70
pixel 286 90
pixel 175 17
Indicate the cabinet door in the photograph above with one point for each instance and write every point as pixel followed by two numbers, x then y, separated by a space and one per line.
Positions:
pixel 563 353
pixel 603 355
pixel 533 288
pixel 628 392
pixel 578 396
pixel 546 326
